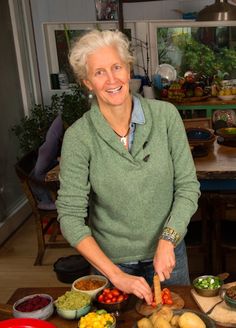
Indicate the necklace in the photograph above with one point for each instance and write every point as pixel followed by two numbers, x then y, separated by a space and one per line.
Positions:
pixel 123 139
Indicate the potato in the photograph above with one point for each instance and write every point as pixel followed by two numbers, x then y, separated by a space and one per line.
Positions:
pixel 165 312
pixel 154 316
pixel 144 323
pixel 191 320
pixel 160 322
pixel 174 320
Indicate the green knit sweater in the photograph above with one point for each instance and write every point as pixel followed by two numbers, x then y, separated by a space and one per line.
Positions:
pixel 131 196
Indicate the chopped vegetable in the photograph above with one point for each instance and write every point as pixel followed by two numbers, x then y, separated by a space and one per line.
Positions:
pixel 208 283
pixel 97 320
pixel 72 300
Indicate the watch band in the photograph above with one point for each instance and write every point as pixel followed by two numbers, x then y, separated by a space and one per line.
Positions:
pixel 170 235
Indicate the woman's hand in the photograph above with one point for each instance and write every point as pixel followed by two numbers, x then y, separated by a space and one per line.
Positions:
pixel 133 285
pixel 164 259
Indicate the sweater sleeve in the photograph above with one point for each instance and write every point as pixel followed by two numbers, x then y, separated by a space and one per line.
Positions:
pixel 72 201
pixel 186 185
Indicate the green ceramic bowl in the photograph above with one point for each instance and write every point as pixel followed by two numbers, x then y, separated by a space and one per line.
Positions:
pixel 73 314
pixel 230 297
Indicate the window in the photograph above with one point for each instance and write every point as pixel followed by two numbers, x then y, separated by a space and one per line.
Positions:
pixel 203 47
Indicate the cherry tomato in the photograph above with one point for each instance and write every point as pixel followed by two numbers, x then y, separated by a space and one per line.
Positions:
pixel 166 291
pixel 165 297
pixel 101 298
pixel 106 290
pixel 108 301
pixel 120 298
pixel 169 301
pixel 109 295
pixel 114 300
pixel 115 292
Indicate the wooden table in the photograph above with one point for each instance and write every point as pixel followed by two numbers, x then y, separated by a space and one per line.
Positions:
pixel 219 164
pixel 126 320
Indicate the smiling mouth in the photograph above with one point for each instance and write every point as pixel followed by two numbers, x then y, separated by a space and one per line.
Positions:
pixel 115 90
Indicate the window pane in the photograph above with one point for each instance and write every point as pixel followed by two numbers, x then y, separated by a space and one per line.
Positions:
pixel 203 50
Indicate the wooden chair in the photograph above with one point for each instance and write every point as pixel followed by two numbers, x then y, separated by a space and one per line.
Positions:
pixel 47 226
pixel 197 240
pixel 224 218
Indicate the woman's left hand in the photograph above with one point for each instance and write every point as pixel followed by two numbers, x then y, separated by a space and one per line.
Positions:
pixel 164 259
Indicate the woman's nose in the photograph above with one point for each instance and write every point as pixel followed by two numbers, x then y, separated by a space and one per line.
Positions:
pixel 111 77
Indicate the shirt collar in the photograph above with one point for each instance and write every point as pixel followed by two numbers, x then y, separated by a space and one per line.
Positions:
pixel 137 113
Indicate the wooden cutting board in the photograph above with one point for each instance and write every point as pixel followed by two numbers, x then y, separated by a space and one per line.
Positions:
pixel 144 309
pixel 222 314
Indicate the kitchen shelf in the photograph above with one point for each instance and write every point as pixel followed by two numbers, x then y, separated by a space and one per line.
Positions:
pixel 209 105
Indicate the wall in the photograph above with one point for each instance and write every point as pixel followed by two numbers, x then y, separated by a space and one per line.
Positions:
pixel 84 10
pixel 11 111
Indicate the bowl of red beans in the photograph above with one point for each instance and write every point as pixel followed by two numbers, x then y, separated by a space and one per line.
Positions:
pixel 37 306
pixel 112 300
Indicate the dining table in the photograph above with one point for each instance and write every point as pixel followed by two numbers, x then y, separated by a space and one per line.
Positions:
pixel 127 318
pixel 218 164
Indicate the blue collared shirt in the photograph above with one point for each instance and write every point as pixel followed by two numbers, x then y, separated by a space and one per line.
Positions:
pixel 137 117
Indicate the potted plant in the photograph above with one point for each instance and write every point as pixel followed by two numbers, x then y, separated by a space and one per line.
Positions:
pixel 32 129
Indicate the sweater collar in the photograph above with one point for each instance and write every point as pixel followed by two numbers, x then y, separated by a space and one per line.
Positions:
pixel 104 130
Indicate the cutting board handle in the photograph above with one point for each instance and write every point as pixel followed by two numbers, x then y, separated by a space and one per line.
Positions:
pixel 223 276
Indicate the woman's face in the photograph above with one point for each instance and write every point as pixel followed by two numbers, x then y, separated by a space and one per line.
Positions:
pixel 108 77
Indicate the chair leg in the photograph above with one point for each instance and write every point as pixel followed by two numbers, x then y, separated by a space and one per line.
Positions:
pixel 41 241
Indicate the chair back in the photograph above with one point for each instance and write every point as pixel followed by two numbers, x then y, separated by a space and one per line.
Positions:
pixel 47 226
pixel 23 170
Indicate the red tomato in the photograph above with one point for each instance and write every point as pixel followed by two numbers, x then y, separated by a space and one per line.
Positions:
pixel 101 298
pixel 109 295
pixel 108 301
pixel 120 298
pixel 115 292
pixel 166 291
pixel 106 291
pixel 169 301
pixel 114 300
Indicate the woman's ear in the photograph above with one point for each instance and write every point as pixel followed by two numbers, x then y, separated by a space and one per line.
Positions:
pixel 88 84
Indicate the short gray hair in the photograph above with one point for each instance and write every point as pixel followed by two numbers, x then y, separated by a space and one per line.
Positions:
pixel 94 40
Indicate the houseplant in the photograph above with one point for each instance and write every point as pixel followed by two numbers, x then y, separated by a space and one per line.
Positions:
pixel 32 129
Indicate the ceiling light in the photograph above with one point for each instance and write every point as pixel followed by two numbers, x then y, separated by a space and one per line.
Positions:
pixel 221 10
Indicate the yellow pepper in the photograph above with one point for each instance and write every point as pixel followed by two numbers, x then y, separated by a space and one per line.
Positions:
pixel 96 320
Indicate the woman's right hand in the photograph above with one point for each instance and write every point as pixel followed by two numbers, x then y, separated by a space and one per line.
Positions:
pixel 133 285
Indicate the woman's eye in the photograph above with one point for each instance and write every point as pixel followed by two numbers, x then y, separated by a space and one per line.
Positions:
pixel 117 67
pixel 99 72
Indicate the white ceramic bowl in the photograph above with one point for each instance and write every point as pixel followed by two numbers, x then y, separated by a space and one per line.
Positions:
pixel 91 292
pixel 229 97
pixel 43 313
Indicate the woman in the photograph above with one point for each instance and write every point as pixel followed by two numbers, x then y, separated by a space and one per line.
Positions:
pixel 129 159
